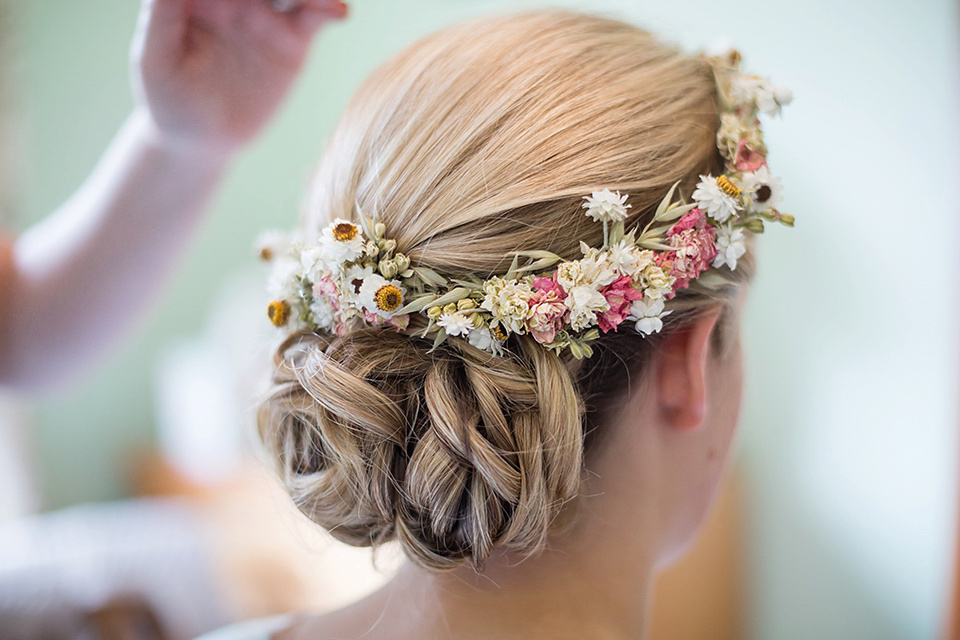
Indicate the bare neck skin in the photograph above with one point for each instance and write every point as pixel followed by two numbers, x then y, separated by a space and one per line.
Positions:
pixel 650 480
pixel 592 582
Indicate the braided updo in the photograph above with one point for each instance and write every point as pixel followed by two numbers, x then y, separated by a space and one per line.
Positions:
pixel 476 142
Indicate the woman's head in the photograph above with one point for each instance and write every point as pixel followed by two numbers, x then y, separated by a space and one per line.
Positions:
pixel 477 142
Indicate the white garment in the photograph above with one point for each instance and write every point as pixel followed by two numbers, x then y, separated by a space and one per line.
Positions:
pixel 57 567
pixel 256 629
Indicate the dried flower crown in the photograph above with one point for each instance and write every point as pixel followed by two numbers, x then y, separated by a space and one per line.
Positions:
pixel 353 275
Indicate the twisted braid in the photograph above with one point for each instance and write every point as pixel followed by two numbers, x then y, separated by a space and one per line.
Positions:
pixel 452 453
pixel 483 137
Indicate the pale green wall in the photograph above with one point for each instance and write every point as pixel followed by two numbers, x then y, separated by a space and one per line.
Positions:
pixel 850 417
pixel 76 94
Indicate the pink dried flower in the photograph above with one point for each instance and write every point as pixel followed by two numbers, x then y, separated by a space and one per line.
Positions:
pixel 695 244
pixel 746 159
pixel 547 316
pixel 550 285
pixel 693 218
pixel 619 294
pixel 325 286
pixel 548 310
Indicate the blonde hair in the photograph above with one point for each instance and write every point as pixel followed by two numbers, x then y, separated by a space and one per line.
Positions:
pixel 476 142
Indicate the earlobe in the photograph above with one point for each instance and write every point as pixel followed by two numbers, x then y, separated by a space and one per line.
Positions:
pixel 682 373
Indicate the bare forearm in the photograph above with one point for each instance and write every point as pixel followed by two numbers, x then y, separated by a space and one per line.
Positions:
pixel 82 275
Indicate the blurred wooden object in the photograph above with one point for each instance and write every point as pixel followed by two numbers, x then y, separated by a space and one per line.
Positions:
pixel 702 596
pixel 124 619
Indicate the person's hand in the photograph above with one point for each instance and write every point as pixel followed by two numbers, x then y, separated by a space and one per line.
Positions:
pixel 209 73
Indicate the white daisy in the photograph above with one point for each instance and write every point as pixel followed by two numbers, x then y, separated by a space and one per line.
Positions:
pixel 456 323
pixel 712 198
pixel 584 302
pixel 730 246
pixel 764 189
pixel 273 243
pixel 649 315
pixel 380 296
pixel 341 241
pixel 606 206
pixel 351 282
pixel 482 338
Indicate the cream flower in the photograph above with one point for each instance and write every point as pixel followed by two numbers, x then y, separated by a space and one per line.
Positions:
pixel 456 323
pixel 585 302
pixel 628 259
pixel 764 190
pixel 341 241
pixel 606 206
pixel 596 268
pixel 649 315
pixel 714 199
pixel 482 338
pixel 730 246
pixel 656 283
pixel 508 302
pixel 569 274
pixel 731 130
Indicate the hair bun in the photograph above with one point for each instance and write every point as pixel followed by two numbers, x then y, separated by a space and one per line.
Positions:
pixel 452 453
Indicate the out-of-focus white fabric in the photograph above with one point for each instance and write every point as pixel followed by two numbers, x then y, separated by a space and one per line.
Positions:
pixel 18 491
pixel 57 567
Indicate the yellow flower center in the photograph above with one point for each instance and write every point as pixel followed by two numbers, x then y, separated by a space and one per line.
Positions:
pixel 498 333
pixel 345 231
pixel 279 312
pixel 728 187
pixel 388 298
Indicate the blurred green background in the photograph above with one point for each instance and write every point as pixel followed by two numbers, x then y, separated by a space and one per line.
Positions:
pixel 74 93
pixel 849 429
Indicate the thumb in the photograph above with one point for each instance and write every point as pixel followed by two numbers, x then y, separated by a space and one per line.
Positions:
pixel 314 13
pixel 160 26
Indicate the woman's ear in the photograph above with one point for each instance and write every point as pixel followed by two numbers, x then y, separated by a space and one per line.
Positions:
pixel 681 369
